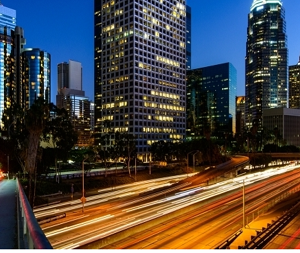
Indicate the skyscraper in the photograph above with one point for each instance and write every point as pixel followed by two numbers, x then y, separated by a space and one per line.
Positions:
pixel 188 37
pixel 71 97
pixel 140 65
pixel 294 86
pixel 211 94
pixel 266 59
pixel 36 75
pixel 69 75
pixel 7 67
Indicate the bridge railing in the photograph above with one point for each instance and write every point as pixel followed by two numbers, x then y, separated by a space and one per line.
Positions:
pixel 30 234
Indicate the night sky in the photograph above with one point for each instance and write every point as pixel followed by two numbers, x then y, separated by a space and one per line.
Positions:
pixel 65 29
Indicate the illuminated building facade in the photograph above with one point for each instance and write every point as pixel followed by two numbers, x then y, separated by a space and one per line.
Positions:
pixel 71 97
pixel 211 105
pixel 188 37
pixel 7 56
pixel 266 59
pixel 140 65
pixel 240 114
pixel 36 75
pixel 294 86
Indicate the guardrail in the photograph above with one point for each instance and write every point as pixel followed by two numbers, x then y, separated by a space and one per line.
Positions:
pixel 30 234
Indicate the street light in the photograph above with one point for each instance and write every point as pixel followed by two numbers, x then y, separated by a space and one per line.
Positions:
pixel 135 169
pixel 197 151
pixel 83 199
pixel 243 203
pixel 187 164
pixel 8 167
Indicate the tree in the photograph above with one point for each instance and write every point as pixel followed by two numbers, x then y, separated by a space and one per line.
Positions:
pixel 15 135
pixel 125 145
pixel 60 133
pixel 36 119
pixel 105 154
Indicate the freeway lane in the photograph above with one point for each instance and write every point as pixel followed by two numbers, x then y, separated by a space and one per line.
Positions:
pixel 203 229
pixel 79 233
pixel 107 196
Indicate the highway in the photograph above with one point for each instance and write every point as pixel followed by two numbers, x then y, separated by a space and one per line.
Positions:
pixel 212 213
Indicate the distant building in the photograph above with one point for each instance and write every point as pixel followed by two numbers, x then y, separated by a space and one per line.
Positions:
pixel 287 121
pixel 71 97
pixel 240 114
pixel 266 60
pixel 36 75
pixel 211 104
pixel 69 75
pixel 294 86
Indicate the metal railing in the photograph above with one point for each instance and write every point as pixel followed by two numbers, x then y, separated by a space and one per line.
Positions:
pixel 30 234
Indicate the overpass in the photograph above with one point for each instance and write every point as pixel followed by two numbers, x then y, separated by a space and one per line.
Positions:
pixel 19 228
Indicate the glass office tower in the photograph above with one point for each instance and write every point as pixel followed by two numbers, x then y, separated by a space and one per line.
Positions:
pixel 140 65
pixel 211 95
pixel 266 60
pixel 36 75
pixel 294 86
pixel 7 67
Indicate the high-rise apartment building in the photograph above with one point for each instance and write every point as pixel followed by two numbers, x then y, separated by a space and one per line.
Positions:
pixel 211 106
pixel 36 75
pixel 140 65
pixel 294 86
pixel 266 59
pixel 7 55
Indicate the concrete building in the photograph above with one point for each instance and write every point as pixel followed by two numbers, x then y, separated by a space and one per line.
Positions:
pixel 287 121
pixel 140 70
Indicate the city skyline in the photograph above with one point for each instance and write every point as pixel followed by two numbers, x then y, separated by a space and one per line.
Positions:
pixel 68 34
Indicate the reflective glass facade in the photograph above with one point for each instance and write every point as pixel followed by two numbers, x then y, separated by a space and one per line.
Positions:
pixel 140 65
pixel 266 59
pixel 211 100
pixel 36 75
pixel 7 67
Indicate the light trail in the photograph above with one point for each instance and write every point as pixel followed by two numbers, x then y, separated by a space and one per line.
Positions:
pixel 176 202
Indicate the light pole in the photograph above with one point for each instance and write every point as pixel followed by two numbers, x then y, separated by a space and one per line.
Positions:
pixel 135 169
pixel 8 167
pixel 243 203
pixel 187 163
pixel 150 164
pixel 83 199
pixel 197 151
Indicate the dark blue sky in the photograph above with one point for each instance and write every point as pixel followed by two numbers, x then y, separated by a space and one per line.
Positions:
pixel 65 29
